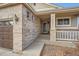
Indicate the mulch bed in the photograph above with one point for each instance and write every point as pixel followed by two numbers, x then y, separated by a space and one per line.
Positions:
pixel 52 50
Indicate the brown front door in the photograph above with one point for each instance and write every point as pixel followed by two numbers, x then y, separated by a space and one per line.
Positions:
pixel 6 36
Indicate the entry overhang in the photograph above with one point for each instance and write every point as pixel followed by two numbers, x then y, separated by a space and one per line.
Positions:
pixel 57 11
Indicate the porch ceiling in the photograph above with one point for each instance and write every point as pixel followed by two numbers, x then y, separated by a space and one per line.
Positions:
pixel 58 12
pixel 70 11
pixel 43 17
pixel 48 16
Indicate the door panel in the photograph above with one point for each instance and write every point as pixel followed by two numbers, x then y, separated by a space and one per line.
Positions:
pixel 6 36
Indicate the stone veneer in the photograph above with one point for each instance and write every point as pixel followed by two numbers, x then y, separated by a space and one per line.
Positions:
pixel 9 12
pixel 30 27
pixel 25 30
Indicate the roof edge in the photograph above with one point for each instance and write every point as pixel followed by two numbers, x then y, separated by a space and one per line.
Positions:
pixel 54 5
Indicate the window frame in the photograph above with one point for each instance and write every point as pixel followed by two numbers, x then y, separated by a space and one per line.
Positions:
pixel 63 19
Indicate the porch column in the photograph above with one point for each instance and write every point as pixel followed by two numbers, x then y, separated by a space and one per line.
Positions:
pixel 52 28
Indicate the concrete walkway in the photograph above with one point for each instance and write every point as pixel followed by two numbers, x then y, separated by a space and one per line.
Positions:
pixel 46 40
pixel 33 50
pixel 7 52
pixel 44 37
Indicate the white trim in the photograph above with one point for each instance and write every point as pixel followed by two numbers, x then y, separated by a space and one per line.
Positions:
pixel 45 9
pixel 63 18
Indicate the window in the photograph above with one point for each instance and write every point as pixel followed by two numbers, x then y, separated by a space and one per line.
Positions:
pixel 66 21
pixel 27 14
pixel 63 21
pixel 32 17
pixel 60 21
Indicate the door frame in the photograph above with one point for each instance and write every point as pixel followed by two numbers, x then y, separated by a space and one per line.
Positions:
pixel 48 24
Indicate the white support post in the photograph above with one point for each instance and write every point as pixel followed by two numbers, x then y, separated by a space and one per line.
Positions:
pixel 53 28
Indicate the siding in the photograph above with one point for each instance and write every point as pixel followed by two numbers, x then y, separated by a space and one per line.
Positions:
pixel 73 21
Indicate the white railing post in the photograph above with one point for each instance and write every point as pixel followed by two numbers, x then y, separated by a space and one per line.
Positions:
pixel 67 35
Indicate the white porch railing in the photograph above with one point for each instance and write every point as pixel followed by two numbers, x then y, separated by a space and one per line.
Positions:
pixel 67 35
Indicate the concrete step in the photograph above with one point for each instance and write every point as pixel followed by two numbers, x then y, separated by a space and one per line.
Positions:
pixel 34 49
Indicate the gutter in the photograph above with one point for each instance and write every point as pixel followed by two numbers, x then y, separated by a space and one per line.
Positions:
pixel 7 4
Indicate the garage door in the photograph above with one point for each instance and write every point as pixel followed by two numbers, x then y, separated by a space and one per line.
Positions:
pixel 6 34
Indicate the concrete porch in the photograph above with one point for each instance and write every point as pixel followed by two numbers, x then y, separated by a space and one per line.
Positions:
pixel 45 38
pixel 33 50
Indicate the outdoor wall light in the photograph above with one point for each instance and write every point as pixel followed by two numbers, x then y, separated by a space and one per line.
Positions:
pixel 16 18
